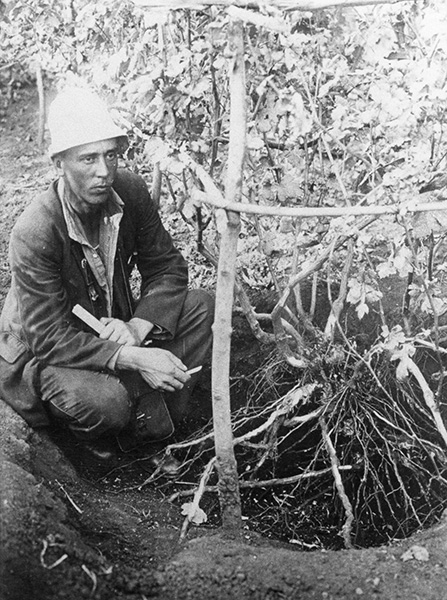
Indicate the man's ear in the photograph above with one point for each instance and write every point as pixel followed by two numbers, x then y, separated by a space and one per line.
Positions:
pixel 57 162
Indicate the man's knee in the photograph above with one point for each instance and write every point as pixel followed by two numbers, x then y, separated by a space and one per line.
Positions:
pixel 201 304
pixel 91 404
pixel 111 410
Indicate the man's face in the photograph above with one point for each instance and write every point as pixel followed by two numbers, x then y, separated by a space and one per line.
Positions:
pixel 89 171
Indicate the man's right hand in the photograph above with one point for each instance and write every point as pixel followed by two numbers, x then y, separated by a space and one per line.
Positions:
pixel 161 369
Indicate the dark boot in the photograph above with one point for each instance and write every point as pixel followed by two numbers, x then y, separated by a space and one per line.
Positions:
pixel 100 453
pixel 152 422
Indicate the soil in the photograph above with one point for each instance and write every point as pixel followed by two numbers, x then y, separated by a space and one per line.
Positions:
pixel 71 533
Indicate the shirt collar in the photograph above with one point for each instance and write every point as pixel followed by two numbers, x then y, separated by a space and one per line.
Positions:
pixel 113 206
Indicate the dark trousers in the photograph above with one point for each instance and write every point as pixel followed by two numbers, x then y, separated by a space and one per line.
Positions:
pixel 96 403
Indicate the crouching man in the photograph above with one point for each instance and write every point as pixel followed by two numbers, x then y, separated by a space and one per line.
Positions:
pixel 77 244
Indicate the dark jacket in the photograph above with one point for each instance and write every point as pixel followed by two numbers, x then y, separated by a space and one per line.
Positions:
pixel 50 276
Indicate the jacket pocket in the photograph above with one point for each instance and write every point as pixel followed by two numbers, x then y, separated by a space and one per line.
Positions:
pixel 11 347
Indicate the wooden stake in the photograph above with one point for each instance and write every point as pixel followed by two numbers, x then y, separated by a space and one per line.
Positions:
pixel 229 225
pixel 41 93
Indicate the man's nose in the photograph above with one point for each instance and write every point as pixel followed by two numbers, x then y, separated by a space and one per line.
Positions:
pixel 102 168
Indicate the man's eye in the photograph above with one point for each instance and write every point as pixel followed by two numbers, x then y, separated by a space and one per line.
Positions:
pixel 111 156
pixel 88 160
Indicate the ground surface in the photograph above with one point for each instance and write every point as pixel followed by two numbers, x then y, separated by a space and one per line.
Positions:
pixel 68 533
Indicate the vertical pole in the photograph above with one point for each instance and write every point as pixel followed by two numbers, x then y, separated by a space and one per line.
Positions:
pixel 41 93
pixel 229 226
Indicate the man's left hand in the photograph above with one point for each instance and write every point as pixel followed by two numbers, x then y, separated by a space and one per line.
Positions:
pixel 120 332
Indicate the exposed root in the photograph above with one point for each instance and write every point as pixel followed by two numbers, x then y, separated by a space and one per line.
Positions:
pixel 335 467
pixel 383 438
pixel 428 397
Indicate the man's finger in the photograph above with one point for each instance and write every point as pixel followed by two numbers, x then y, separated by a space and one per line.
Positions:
pixel 175 385
pixel 106 320
pixel 177 362
pixel 180 375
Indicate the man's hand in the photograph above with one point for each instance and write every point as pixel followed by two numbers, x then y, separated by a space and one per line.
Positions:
pixel 118 331
pixel 128 334
pixel 161 369
pixel 164 371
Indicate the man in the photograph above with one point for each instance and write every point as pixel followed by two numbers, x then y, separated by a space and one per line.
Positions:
pixel 77 244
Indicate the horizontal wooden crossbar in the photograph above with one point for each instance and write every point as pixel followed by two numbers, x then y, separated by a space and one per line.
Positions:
pixel 286 5
pixel 325 211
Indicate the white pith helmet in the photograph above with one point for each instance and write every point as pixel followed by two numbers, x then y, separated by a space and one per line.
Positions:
pixel 78 116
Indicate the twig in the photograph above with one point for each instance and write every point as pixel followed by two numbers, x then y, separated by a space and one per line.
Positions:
pixel 300 420
pixel 93 577
pixel 8 66
pixel 270 441
pixel 72 502
pixel 307 270
pixel 57 562
pixel 267 258
pixel 313 302
pixel 291 479
pixel 262 483
pixel 337 305
pixel 430 345
pixel 313 109
pixel 197 497
pixel 289 402
pixel 153 476
pixel 244 301
pixel 190 443
pixel 285 405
